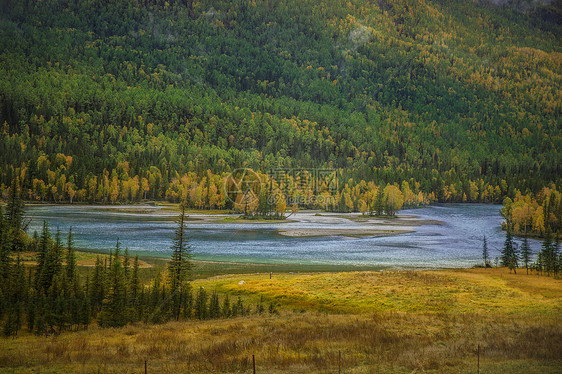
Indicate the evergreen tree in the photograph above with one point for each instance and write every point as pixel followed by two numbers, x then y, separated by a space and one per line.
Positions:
pixel 201 310
pixel 179 265
pixel 84 315
pixel 509 252
pixel 126 265
pixel 485 253
pixel 556 257
pixel 11 323
pixel 30 312
pixel 97 288
pixel 238 308
pixel 14 216
pixel 134 291
pixel 15 205
pixel 5 255
pixel 214 306
pixel 42 310
pixel 50 264
pixel 42 258
pixel 156 311
pixel 187 302
pixel 547 254
pixel 70 261
pixel 226 311
pixel 113 311
pixel 526 254
pixel 56 254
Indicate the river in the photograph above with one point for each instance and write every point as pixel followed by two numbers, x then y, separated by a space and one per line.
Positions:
pixel 148 230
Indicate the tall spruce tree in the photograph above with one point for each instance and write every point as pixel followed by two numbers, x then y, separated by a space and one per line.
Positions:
pixel 156 308
pixel 547 254
pixel 180 265
pixel 214 306
pixel 113 311
pixel 557 258
pixel 201 310
pixel 70 260
pixel 134 291
pixel 526 254
pixel 485 253
pixel 14 216
pixel 225 310
pixel 5 255
pixel 509 252
pixel 98 285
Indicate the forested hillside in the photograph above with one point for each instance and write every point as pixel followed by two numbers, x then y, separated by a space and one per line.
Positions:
pixel 105 101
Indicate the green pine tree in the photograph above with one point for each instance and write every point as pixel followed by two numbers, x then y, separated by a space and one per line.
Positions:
pixel 547 254
pixel 526 254
pixel 225 310
pixel 485 253
pixel 214 306
pixel 98 286
pixel 134 291
pixel 180 265
pixel 113 311
pixel 6 261
pixel 201 310
pixel 509 253
pixel 70 270
pixel 14 216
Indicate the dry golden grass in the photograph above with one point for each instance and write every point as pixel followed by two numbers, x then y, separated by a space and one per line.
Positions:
pixel 385 322
pixel 442 291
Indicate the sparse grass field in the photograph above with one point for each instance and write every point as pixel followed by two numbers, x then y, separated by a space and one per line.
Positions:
pixel 381 322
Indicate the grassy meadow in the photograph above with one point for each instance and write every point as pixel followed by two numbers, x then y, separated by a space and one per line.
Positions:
pixel 380 321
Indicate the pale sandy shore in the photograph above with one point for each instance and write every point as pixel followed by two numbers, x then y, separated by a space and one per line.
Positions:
pixel 351 232
pixel 300 225
pixel 314 224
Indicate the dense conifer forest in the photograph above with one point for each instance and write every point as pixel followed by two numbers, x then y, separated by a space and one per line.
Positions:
pixel 54 295
pixel 447 101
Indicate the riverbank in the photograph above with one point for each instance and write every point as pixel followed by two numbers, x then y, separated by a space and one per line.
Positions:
pixel 201 269
pixel 377 322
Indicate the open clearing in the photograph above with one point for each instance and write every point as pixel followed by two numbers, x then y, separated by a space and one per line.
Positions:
pixel 381 322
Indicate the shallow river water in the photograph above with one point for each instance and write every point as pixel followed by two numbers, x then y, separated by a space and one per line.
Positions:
pixel 457 242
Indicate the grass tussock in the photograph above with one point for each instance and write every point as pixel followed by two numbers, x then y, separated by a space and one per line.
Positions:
pixel 386 322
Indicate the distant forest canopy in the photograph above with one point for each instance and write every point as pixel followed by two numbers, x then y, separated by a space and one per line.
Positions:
pixel 104 101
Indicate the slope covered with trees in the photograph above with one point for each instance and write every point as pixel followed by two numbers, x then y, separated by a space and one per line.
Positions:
pixel 126 100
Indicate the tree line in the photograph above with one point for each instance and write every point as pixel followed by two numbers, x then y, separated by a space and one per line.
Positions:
pixel 52 296
pixel 548 261
pixel 534 215
pixel 120 102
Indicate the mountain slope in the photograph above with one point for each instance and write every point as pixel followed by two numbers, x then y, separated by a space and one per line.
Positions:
pixel 437 93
